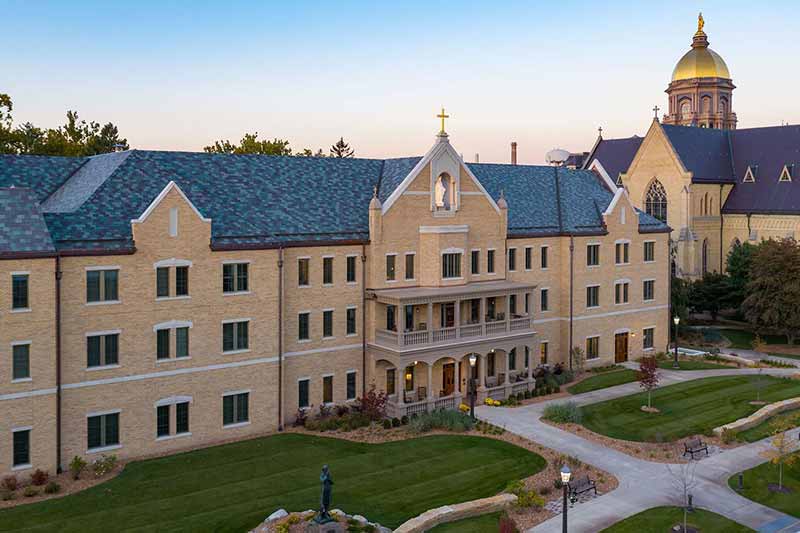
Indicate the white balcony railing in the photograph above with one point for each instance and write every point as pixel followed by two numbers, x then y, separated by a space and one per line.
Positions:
pixel 444 335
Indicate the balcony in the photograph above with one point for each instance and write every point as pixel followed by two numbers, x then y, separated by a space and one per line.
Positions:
pixel 485 330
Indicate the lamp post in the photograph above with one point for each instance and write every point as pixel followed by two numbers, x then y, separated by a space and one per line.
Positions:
pixel 676 320
pixel 473 359
pixel 565 475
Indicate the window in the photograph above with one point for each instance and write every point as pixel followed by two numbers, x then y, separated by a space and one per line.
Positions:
pixel 544 257
pixel 648 335
pixel 622 253
pixel 593 296
pixel 592 347
pixel 390 267
pixel 327 389
pixel 162 344
pixel 22 447
pixel 236 408
pixel 182 281
pixel 102 286
pixel 649 251
pixel 182 342
pixel 327 323
pixel 490 261
pixel 621 292
pixel 409 378
pixel 351 320
pixel 528 258
pixel 655 203
pixel 302 272
pixel 512 304
pixel 451 265
pixel 527 356
pixel 543 349
pixel 351 386
pixel 512 259
pixel 512 359
pixel 648 290
pixel 21 362
pixel 235 277
pixel 302 393
pixel 235 336
pixel 102 350
pixel 391 376
pixel 391 323
pixel 475 262
pixel 302 327
pixel 544 295
pixel 327 270
pixel 592 254
pixel 162 282
pixel 704 257
pixel 19 291
pixel 527 302
pixel 409 266
pixel 103 430
pixel 351 269
pixel 162 421
pixel 181 418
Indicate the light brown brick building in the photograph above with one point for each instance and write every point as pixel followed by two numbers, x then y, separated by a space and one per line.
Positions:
pixel 158 301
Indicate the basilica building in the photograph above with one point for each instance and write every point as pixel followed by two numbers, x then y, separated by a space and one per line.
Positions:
pixel 713 184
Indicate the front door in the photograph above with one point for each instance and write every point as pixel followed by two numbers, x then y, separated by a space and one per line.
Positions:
pixel 448 378
pixel 620 347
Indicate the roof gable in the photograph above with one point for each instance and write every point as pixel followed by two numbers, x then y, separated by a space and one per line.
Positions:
pixel 786 173
pixel 158 199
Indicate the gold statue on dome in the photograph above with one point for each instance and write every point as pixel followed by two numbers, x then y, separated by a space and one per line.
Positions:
pixel 700 23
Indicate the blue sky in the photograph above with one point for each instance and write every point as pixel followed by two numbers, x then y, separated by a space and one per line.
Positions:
pixel 177 75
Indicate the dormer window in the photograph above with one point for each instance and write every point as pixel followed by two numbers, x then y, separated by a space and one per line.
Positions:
pixel 444 192
pixel 750 174
pixel 786 173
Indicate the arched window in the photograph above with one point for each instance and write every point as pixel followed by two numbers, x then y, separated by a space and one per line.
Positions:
pixel 705 257
pixel 706 103
pixel 723 105
pixel 655 201
pixel 444 192
pixel 685 107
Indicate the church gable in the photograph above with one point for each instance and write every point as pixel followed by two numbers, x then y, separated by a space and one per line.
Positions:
pixel 786 173
pixel 750 174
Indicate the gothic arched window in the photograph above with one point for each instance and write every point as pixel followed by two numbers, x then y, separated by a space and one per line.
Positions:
pixel 705 256
pixel 655 201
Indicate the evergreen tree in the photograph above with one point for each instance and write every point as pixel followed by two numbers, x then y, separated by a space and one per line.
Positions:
pixel 680 300
pixel 341 149
pixel 711 293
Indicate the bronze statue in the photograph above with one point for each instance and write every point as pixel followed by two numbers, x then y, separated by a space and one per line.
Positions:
pixel 323 516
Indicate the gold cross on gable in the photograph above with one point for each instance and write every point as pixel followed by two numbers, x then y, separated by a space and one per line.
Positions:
pixel 442 116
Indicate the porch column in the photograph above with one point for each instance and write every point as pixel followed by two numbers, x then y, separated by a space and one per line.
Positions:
pixel 400 386
pixel 482 318
pixel 430 382
pixel 530 362
pixel 430 322
pixel 508 310
pixel 482 372
pixel 458 318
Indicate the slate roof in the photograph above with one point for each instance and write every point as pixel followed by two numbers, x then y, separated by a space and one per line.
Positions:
pixel 705 152
pixel 22 227
pixel 616 155
pixel 257 201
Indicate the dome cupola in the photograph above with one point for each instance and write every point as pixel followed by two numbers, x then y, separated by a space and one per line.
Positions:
pixel 701 61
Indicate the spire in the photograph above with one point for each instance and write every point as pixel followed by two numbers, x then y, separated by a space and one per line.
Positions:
pixel 600 133
pixel 442 115
pixel 501 203
pixel 375 203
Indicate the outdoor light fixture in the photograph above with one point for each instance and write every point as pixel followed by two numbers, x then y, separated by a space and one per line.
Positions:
pixel 565 475
pixel 676 320
pixel 472 360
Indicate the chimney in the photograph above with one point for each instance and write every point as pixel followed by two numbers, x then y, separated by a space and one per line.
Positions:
pixel 514 153
pixel 477 158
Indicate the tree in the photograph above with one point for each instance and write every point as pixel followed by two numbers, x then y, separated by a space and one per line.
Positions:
pixel 578 359
pixel 308 153
pixel 711 293
pixel 760 383
pixel 341 149
pixel 250 144
pixel 782 448
pixel 680 300
pixel 774 288
pixel 648 376
pixel 683 478
pixel 7 140
pixel 737 265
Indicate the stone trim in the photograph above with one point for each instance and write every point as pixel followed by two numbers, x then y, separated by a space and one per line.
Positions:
pixel 451 513
pixel 760 415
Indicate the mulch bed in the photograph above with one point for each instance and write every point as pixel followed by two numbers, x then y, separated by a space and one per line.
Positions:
pixel 773 487
pixel 68 486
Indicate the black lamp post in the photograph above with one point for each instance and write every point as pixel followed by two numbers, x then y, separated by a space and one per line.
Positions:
pixel 565 475
pixel 676 320
pixel 473 359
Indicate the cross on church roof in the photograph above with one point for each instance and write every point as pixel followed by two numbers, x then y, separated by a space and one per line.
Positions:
pixel 442 116
pixel 655 112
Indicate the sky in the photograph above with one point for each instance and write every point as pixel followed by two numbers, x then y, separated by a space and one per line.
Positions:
pixel 179 75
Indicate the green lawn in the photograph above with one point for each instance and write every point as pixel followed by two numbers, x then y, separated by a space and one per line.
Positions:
pixel 687 408
pixel 743 340
pixel 603 380
pixel 764 429
pixel 487 523
pixel 786 355
pixel 756 481
pixel 691 365
pixel 663 518
pixel 235 486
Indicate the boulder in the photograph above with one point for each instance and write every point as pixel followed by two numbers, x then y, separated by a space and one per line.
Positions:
pixel 277 515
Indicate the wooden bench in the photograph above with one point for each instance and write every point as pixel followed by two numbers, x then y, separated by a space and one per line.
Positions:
pixel 580 485
pixel 693 446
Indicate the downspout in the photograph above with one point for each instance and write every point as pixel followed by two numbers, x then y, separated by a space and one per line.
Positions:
pixel 721 224
pixel 571 298
pixel 363 320
pixel 58 363
pixel 280 338
pixel 669 290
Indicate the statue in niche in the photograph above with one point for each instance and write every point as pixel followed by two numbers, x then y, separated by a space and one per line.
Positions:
pixel 443 192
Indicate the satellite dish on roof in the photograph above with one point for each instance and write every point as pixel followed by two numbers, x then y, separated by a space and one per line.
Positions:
pixel 557 156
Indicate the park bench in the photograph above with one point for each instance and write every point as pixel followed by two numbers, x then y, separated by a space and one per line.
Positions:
pixel 693 446
pixel 580 485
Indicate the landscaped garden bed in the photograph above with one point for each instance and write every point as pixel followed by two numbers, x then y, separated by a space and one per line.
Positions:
pixel 664 518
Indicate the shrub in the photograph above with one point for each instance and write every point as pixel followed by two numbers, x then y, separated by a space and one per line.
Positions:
pixel 300 418
pixel 442 419
pixel 373 403
pixel 324 410
pixel 342 410
pixel 557 484
pixel 76 466
pixel 7 495
pixel 527 395
pixel 395 422
pixel 544 491
pixel 563 413
pixel 557 388
pixel 565 377
pixel 404 420
pixel 10 483
pixel 728 435
pixel 506 525
pixel 52 488
pixel 528 499
pixel 30 491
pixel 104 464
pixel 387 424
pixel 520 396
pixel 39 477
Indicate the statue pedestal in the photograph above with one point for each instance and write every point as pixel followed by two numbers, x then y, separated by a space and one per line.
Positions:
pixel 329 527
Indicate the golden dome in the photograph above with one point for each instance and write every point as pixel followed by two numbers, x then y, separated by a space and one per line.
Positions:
pixel 701 61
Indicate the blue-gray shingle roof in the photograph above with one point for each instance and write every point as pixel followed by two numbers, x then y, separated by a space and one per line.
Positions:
pixel 705 152
pixel 616 155
pixel 22 228
pixel 256 200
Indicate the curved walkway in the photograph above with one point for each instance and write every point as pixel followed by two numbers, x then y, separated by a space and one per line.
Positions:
pixel 645 484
